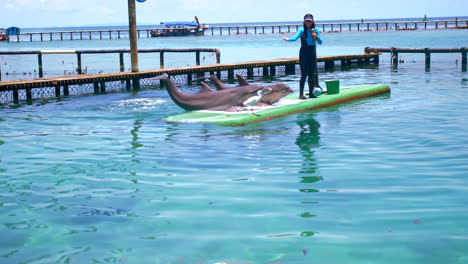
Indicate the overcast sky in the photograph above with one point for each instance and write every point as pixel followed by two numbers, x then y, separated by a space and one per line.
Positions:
pixel 66 13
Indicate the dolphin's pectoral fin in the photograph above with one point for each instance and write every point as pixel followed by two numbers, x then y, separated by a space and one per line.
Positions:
pixel 242 80
pixel 266 90
pixel 205 88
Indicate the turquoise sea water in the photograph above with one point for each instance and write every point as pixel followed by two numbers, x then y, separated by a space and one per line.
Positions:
pixel 103 179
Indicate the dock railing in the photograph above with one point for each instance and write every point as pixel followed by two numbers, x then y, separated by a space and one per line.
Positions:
pixel 16 90
pixel 365 25
pixel 426 51
pixel 15 65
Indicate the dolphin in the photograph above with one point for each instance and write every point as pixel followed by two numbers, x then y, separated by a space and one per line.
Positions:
pixel 208 99
pixel 277 92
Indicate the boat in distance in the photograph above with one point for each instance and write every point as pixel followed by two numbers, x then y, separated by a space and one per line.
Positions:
pixel 178 29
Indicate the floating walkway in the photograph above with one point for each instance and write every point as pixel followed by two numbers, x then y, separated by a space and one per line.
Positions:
pixel 23 89
pixel 247 29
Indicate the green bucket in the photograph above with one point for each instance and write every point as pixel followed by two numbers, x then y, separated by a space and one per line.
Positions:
pixel 333 86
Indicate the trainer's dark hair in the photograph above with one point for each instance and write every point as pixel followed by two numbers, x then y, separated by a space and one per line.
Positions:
pixel 309 16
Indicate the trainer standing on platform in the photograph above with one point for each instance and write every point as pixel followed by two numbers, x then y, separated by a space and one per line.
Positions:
pixel 309 35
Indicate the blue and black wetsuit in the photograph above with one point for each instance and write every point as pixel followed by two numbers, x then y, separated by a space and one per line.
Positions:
pixel 307 57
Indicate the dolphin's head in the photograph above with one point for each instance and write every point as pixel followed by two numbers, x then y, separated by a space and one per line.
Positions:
pixel 278 91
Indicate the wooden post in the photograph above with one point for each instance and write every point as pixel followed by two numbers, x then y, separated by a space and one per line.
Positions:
pixel 198 58
pixel 71 35
pixel 128 85
pixel 464 59
pixel 189 78
pixel 66 91
pixel 161 60
pixel 96 88
pixel 230 75
pixel 41 37
pixel 330 65
pixel 39 60
pixel 50 36
pixel 136 84
pixel 246 28
pixel 272 70
pixel 79 70
pixel 81 35
pixel 90 35
pixel 395 58
pixel 28 95
pixel 249 73
pixel 100 34
pixel 132 34
pixel 15 96
pixel 121 58
pixel 57 90
pixel 428 57
pixel 265 72
pixel 103 87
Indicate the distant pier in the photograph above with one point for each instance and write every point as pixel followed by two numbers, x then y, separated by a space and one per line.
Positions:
pixel 248 29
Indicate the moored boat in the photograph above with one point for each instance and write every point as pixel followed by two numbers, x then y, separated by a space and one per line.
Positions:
pixel 176 29
pixel 3 35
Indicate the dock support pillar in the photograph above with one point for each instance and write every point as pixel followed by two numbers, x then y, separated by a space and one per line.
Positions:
pixel 428 58
pixel 394 57
pixel 15 96
pixel 464 59
pixel 136 84
pixel 103 87
pixel 161 60
pixel 57 90
pixel 39 61
pixel 96 88
pixel 189 78
pixel 265 72
pixel 250 73
pixel 66 91
pixel 79 69
pixel 329 65
pixel 230 75
pixel 121 58
pixel 128 85
pixel 28 95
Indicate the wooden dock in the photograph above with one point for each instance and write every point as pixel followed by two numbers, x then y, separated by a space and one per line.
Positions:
pixel 247 29
pixel 131 80
pixel 426 51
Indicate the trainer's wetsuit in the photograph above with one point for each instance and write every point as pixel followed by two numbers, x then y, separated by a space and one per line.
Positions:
pixel 307 56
